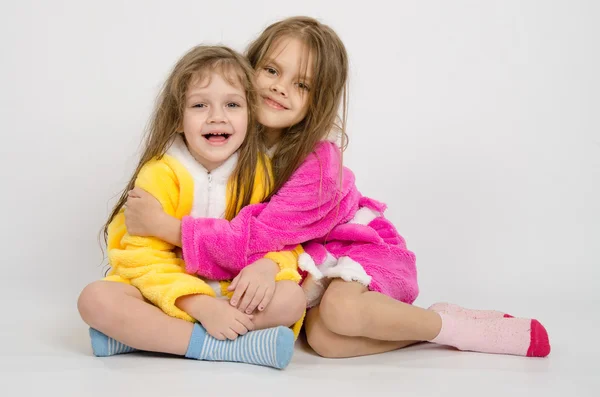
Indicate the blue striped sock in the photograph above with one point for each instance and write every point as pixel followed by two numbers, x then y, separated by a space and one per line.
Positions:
pixel 271 347
pixel 104 346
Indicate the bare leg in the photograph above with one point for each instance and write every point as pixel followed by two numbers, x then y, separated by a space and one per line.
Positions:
pixel 286 307
pixel 119 311
pixel 350 309
pixel 331 345
pixel 116 313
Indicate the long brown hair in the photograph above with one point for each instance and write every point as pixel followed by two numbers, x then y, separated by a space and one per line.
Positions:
pixel 329 90
pixel 167 120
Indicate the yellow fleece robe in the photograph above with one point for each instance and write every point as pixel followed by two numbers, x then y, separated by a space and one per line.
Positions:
pixel 152 265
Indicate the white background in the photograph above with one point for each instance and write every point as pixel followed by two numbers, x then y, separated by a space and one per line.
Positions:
pixel 477 122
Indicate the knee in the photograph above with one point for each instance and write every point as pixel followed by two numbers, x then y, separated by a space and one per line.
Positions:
pixel 94 303
pixel 290 302
pixel 319 337
pixel 340 313
pixel 318 341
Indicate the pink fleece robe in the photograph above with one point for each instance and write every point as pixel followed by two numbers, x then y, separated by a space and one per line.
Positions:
pixel 312 209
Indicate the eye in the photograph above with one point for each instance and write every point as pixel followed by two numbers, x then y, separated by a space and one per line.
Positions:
pixel 233 105
pixel 303 86
pixel 199 105
pixel 271 70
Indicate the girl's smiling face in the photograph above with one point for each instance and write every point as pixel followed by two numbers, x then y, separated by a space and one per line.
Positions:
pixel 283 83
pixel 215 119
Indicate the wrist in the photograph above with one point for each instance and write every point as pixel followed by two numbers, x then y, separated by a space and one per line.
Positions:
pixel 169 229
pixel 271 265
pixel 159 224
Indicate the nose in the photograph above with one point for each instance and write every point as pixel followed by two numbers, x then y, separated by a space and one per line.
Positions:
pixel 277 89
pixel 216 115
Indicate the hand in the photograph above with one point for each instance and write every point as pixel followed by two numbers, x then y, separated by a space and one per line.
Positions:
pixel 254 286
pixel 221 320
pixel 143 214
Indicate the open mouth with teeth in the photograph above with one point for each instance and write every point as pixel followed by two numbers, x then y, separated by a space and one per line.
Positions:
pixel 217 137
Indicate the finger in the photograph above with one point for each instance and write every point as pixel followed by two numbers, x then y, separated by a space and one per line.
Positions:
pixel 239 291
pixel 233 283
pixel 217 335
pixel 131 199
pixel 246 321
pixel 230 334
pixel 239 328
pixel 267 299
pixel 260 294
pixel 248 296
pixel 141 193
pixel 132 194
pixel 136 191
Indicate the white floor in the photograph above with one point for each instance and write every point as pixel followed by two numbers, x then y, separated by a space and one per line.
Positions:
pixel 45 348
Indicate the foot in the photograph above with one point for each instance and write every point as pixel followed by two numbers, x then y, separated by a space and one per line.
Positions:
pixel 104 346
pixel 271 347
pixel 514 336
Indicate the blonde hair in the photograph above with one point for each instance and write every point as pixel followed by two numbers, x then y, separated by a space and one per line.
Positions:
pixel 168 119
pixel 328 92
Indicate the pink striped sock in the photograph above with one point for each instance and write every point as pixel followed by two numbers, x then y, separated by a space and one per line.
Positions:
pixel 453 309
pixel 515 336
